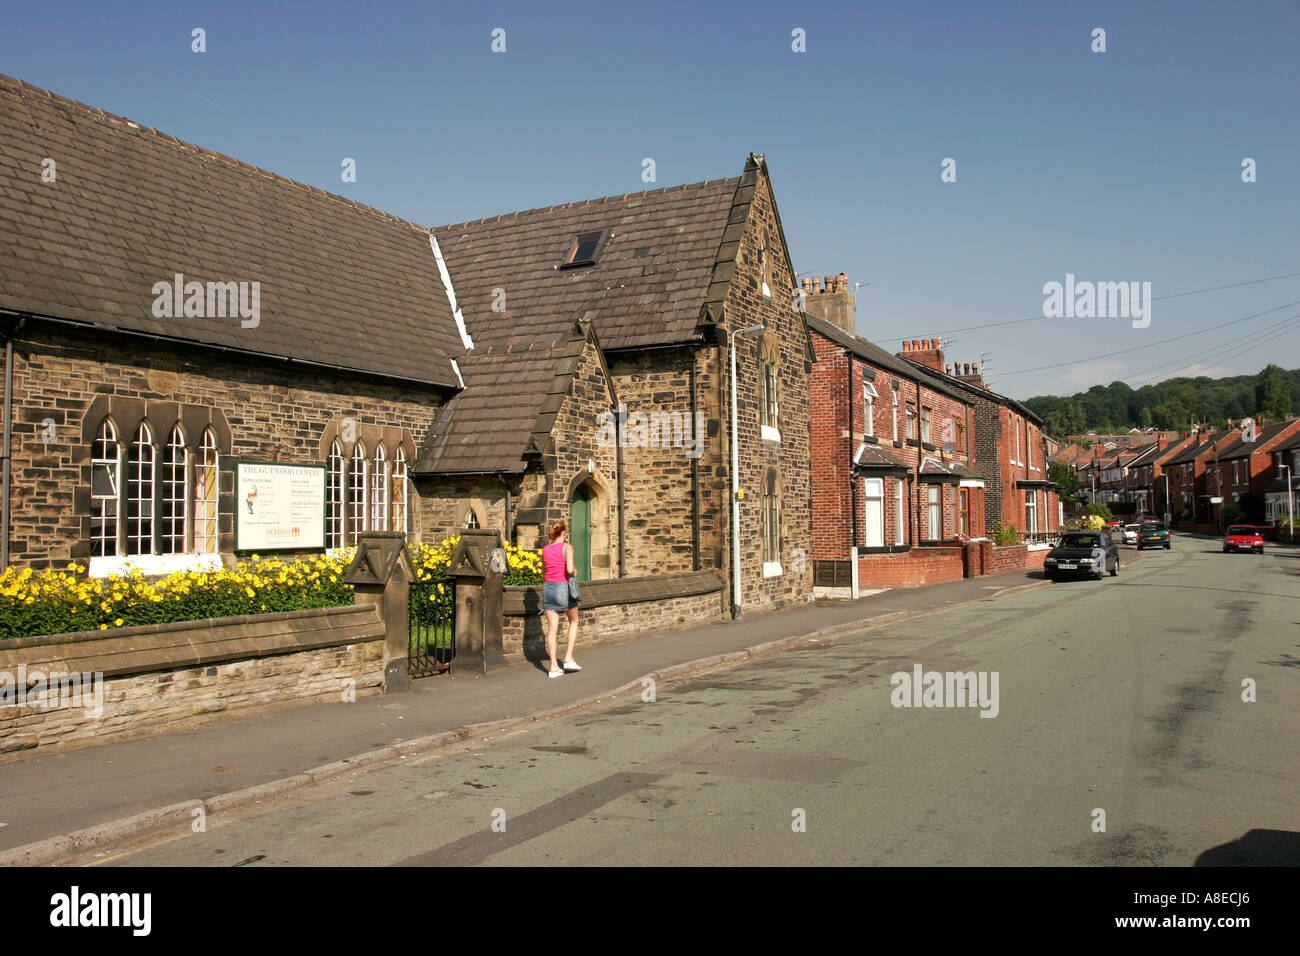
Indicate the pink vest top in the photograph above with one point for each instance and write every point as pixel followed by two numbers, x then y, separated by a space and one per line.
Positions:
pixel 553 563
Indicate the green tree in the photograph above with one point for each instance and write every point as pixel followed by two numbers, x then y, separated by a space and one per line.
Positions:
pixel 1100 510
pixel 1271 400
pixel 1063 475
pixel 1145 420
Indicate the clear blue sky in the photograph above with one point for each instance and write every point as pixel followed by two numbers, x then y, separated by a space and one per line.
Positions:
pixel 1115 166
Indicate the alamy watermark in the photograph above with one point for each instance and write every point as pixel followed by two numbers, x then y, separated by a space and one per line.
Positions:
pixel 211 300
pixel 1094 300
pixel 651 430
pixel 53 690
pixel 947 689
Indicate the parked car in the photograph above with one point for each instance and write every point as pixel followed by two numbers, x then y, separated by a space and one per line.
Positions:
pixel 1153 534
pixel 1243 537
pixel 1131 533
pixel 1082 552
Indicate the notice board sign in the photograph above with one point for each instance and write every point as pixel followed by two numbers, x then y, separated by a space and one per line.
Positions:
pixel 279 507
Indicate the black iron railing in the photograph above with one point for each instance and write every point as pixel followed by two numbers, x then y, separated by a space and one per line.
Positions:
pixel 432 627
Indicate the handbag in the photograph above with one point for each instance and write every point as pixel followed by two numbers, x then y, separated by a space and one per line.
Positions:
pixel 575 594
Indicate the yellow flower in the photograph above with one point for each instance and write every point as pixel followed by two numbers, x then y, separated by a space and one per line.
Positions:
pixel 118 622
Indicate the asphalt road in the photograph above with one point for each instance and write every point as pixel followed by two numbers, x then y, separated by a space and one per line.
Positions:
pixel 1123 696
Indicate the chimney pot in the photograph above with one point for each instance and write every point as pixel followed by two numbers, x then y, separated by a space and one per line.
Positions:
pixel 975 368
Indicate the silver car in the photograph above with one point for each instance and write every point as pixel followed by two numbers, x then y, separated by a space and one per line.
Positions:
pixel 1131 533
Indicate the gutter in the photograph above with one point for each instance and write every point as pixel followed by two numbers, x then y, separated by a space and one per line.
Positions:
pixel 5 455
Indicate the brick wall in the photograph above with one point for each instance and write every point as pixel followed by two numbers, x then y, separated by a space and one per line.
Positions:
pixel 915 568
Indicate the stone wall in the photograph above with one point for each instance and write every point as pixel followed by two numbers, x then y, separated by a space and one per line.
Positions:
pixel 267 412
pixel 162 677
pixel 617 610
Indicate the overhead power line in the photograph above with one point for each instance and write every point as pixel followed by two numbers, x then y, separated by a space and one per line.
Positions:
pixel 1252 340
pixel 1154 298
pixel 1151 345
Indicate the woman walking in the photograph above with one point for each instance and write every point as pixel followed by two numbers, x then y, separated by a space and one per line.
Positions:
pixel 557 563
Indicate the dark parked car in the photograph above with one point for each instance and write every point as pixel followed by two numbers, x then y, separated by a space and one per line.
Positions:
pixel 1154 534
pixel 1082 552
pixel 1243 537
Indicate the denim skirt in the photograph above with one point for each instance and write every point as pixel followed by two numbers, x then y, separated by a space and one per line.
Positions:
pixel 555 596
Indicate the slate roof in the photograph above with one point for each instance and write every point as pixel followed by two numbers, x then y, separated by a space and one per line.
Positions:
pixel 870 352
pixel 932 467
pixel 506 410
pixel 1241 449
pixel 342 284
pixel 871 457
pixel 652 275
pixel 1191 452
pixel 970 388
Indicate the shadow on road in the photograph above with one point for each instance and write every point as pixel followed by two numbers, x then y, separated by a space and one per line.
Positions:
pixel 1255 848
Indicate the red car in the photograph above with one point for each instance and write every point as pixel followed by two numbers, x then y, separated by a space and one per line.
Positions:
pixel 1243 537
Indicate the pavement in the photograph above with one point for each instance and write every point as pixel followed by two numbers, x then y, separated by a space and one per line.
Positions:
pixel 59 806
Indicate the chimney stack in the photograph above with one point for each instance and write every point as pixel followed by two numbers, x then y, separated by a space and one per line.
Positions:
pixel 832 302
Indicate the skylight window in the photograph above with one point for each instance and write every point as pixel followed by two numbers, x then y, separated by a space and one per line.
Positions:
pixel 583 250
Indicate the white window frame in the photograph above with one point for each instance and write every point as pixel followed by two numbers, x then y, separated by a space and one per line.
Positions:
pixel 898 511
pixel 106 507
pixel 335 498
pixel 379 490
pixel 175 495
pixel 895 414
pixel 207 485
pixel 401 492
pixel 1031 511
pixel 357 474
pixel 873 490
pixel 141 475
pixel 933 508
pixel 869 396
pixel 925 426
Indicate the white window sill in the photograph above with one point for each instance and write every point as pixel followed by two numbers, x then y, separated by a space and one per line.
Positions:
pixel 154 564
pixel 772 569
pixel 1040 547
pixel 770 433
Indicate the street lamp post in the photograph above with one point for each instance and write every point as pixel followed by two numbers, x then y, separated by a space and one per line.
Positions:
pixel 1168 503
pixel 735 477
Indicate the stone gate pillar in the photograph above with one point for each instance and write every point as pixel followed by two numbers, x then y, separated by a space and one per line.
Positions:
pixel 381 574
pixel 477 568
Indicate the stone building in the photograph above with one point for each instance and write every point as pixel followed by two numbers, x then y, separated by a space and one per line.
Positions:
pixel 168 312
pixel 170 315
pixel 597 390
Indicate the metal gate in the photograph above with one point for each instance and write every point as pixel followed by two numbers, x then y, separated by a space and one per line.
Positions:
pixel 432 627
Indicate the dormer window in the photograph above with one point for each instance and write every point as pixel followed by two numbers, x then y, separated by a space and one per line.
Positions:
pixel 583 250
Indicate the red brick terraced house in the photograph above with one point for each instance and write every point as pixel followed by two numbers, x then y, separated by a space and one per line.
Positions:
pixel 1010 449
pixel 1247 469
pixel 1187 478
pixel 894 493
pixel 1147 480
pixel 1281 494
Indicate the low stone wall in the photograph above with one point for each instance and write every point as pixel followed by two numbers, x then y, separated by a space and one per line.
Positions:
pixel 616 610
pixel 160 677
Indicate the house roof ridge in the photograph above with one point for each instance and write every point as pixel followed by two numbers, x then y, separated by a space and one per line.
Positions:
pixel 579 203
pixel 22 85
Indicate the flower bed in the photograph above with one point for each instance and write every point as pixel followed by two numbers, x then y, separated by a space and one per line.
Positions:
pixel 55 602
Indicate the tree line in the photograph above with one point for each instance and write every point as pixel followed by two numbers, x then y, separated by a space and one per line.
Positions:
pixel 1273 395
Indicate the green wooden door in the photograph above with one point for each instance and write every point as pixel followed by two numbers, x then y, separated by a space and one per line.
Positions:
pixel 580 537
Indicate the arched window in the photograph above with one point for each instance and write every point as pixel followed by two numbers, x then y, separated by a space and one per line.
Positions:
pixel 105 482
pixel 357 494
pixel 205 495
pixel 471 520
pixel 139 493
pixel 399 491
pixel 334 498
pixel 771 520
pixel 175 493
pixel 379 491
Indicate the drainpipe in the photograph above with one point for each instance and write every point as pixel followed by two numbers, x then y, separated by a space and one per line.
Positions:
pixel 735 476
pixel 509 510
pixel 622 511
pixel 916 515
pixel 697 449
pixel 8 439
pixel 853 479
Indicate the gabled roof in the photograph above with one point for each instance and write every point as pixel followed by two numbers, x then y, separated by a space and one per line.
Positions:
pixel 341 284
pixel 1289 443
pixel 507 410
pixel 1241 449
pixel 870 352
pixel 651 278
pixel 1192 451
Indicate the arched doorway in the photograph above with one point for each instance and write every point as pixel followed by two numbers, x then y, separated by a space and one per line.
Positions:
pixel 580 511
